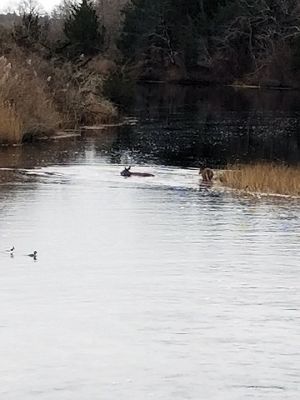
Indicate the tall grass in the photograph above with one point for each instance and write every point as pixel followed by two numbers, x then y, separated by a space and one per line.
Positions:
pixel 38 95
pixel 11 129
pixel 264 178
pixel 25 102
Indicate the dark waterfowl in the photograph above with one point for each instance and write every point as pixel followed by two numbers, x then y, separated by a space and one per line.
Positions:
pixel 127 173
pixel 11 250
pixel 33 255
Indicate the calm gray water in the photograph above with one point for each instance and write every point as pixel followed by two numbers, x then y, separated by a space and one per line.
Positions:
pixel 143 288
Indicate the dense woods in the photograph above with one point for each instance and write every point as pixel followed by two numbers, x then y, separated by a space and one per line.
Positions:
pixel 84 57
pixel 255 41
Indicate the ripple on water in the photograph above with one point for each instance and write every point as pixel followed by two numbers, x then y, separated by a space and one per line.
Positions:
pixel 146 288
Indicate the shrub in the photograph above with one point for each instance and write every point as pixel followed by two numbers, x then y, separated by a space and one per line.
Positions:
pixel 119 88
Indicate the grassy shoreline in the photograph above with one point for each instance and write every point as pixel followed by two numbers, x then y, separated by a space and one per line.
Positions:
pixel 39 98
pixel 263 178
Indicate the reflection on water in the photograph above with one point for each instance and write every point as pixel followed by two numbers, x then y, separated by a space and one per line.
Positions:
pixel 185 126
pixel 142 288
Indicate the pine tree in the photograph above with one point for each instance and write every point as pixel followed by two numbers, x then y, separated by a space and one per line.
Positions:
pixel 28 31
pixel 83 30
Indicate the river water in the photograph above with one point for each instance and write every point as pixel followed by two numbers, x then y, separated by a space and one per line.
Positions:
pixel 148 288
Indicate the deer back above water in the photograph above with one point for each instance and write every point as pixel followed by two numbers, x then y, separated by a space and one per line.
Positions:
pixel 127 173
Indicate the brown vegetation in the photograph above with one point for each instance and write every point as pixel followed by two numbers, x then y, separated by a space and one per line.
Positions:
pixel 38 96
pixel 264 178
pixel 25 101
pixel 41 88
pixel 10 124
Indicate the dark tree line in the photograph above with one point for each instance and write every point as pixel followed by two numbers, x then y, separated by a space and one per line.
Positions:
pixel 223 39
pixel 231 37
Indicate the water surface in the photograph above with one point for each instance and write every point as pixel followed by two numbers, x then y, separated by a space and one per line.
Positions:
pixel 143 288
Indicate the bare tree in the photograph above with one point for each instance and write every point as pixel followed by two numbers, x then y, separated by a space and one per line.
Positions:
pixel 110 12
pixel 258 30
pixel 29 7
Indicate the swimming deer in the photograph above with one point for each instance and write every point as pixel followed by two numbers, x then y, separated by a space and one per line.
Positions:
pixel 127 173
pixel 207 174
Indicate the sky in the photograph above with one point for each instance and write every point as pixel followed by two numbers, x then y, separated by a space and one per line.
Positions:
pixel 12 4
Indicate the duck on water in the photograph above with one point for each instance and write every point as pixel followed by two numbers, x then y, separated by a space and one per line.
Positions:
pixel 33 255
pixel 127 173
pixel 11 250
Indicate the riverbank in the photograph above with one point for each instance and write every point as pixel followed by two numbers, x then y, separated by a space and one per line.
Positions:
pixel 39 97
pixel 263 178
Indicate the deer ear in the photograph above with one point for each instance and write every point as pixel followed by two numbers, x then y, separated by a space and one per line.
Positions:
pixel 129 168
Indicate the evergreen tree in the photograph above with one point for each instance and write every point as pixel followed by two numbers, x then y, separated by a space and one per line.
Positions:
pixel 83 30
pixel 28 31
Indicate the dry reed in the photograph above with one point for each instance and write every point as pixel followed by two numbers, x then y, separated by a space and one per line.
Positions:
pixel 264 178
pixel 38 96
pixel 11 129
pixel 25 101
